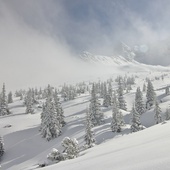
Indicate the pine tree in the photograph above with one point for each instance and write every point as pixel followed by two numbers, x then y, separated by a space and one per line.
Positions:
pixel 29 102
pixel 50 125
pixel 59 109
pixel 94 109
pixel 157 110
pixel 89 134
pixel 150 95
pixel 144 87
pixel 1 147
pixel 71 147
pixel 4 107
pixel 10 99
pixel 167 114
pixel 139 105
pixel 135 120
pixel 122 103
pixel 117 117
pixel 108 96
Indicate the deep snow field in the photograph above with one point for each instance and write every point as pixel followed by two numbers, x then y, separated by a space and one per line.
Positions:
pixel 144 150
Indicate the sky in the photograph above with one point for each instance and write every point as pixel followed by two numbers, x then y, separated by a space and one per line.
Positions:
pixel 41 39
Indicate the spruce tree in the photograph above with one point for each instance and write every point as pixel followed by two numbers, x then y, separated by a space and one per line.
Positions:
pixel 29 102
pixel 4 106
pixel 94 108
pixel 59 109
pixel 157 110
pixel 50 125
pixel 167 114
pixel 10 99
pixel 1 147
pixel 135 120
pixel 150 95
pixel 139 105
pixel 117 117
pixel 89 134
pixel 122 103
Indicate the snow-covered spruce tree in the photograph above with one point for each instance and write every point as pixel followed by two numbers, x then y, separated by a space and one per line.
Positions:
pixel 29 102
pixel 59 109
pixel 122 103
pixel 150 95
pixel 1 147
pixel 4 106
pixel 157 110
pixel 139 105
pixel 108 96
pixel 117 117
pixel 89 134
pixel 71 147
pixel 50 125
pixel 144 87
pixel 167 114
pixel 10 99
pixel 135 120
pixel 95 112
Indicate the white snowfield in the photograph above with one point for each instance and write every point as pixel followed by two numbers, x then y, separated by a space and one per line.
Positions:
pixel 144 150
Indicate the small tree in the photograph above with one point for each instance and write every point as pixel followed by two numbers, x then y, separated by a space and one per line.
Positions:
pixel 95 112
pixel 89 134
pixel 4 106
pixel 10 99
pixel 167 114
pixel 29 103
pixel 139 105
pixel 157 110
pixel 50 125
pixel 135 120
pixel 59 109
pixel 71 147
pixel 117 117
pixel 1 147
pixel 150 95
pixel 122 103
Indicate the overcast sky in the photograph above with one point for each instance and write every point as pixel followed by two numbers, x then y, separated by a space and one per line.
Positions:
pixel 39 39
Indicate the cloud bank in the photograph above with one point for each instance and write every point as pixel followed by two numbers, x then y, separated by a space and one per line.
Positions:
pixel 40 39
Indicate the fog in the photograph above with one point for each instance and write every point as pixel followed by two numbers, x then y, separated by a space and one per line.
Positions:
pixel 40 40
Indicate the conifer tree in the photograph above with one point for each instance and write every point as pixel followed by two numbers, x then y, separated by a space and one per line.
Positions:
pixel 50 125
pixel 144 87
pixel 89 134
pixel 29 102
pixel 4 106
pixel 150 95
pixel 94 109
pixel 139 105
pixel 59 109
pixel 10 99
pixel 157 110
pixel 122 103
pixel 117 117
pixel 167 114
pixel 135 120
pixel 1 147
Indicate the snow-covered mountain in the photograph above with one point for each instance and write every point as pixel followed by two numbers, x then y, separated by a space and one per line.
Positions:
pixel 106 60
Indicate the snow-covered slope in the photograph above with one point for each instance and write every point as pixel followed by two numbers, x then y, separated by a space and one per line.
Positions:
pixel 105 60
pixel 147 149
pixel 119 63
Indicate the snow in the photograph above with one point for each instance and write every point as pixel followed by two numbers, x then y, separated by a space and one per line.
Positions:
pixel 143 150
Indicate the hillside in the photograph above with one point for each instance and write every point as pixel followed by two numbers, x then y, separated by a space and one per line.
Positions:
pixel 25 148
